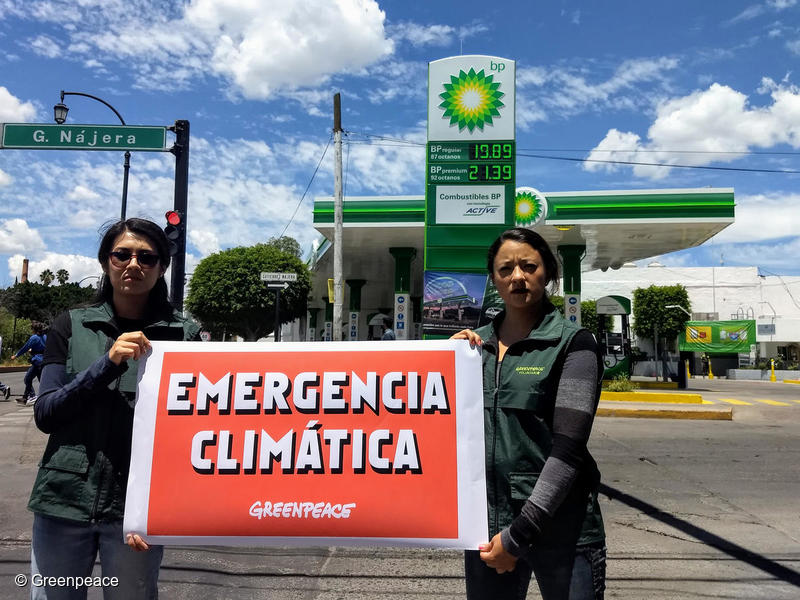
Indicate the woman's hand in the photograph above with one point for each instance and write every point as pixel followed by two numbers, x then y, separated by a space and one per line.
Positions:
pixel 495 556
pixel 468 334
pixel 130 345
pixel 136 543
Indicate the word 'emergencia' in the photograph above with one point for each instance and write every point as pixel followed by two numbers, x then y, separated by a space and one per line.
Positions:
pixel 332 392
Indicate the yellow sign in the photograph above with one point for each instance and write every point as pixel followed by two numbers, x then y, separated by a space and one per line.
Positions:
pixel 330 290
pixel 698 333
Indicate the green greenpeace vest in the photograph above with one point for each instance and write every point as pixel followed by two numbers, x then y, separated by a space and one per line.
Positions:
pixel 519 402
pixel 83 474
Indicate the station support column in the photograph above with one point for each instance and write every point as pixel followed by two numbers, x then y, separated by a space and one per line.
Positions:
pixel 403 315
pixel 571 256
pixel 355 286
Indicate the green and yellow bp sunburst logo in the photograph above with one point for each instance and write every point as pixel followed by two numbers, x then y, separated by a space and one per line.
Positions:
pixel 529 207
pixel 471 100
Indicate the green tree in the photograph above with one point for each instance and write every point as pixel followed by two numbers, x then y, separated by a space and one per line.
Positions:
pixel 286 244
pixel 42 302
pixel 649 310
pixel 62 276
pixel 226 291
pixel 46 277
pixel 13 333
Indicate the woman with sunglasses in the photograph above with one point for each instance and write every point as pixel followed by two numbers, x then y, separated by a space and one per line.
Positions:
pixel 86 403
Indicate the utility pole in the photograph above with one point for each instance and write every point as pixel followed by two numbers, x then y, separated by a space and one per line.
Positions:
pixel 338 217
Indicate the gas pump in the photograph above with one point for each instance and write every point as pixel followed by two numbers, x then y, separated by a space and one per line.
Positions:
pixel 615 345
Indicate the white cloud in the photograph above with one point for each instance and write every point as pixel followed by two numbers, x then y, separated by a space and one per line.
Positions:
pixel 751 224
pixel 565 91
pixel 206 242
pixel 17 236
pixel 81 193
pixel 45 46
pixel 433 35
pixel 5 178
pixel 717 121
pixel 262 47
pixel 12 110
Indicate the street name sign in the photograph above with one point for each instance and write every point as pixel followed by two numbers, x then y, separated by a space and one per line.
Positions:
pixel 45 136
pixel 278 277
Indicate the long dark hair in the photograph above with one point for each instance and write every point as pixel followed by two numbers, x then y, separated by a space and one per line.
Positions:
pixel 158 301
pixel 535 241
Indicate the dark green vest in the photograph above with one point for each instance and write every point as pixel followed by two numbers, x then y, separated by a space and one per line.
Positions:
pixel 83 474
pixel 519 401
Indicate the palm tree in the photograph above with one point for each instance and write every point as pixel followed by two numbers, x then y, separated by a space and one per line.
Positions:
pixel 46 277
pixel 62 276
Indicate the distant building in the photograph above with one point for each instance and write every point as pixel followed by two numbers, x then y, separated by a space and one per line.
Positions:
pixel 717 293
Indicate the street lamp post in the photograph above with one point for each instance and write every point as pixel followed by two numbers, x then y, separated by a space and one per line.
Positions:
pixel 679 306
pixel 60 111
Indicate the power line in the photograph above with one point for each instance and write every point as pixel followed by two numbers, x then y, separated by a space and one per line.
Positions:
pixel 310 181
pixel 398 142
pixel 649 164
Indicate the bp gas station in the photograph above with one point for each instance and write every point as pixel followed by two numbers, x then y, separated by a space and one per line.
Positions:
pixel 421 260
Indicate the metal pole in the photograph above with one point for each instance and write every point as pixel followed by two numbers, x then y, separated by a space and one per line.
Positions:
pixel 655 349
pixel 277 331
pixel 126 167
pixel 181 152
pixel 338 217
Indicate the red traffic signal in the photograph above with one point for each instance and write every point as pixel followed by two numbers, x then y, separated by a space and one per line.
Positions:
pixel 173 217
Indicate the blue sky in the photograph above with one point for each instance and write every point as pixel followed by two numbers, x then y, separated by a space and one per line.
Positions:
pixel 622 80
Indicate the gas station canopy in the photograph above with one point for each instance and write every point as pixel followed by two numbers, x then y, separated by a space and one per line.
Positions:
pixel 614 226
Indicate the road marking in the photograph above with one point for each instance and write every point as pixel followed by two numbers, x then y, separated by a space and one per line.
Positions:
pixel 772 402
pixel 735 401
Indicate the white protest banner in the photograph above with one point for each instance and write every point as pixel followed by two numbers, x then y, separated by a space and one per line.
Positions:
pixel 346 443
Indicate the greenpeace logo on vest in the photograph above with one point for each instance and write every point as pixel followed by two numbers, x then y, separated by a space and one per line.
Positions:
pixel 528 370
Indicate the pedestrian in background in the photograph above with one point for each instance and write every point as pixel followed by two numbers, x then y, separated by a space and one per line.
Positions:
pixel 35 345
pixel 541 382
pixel 387 331
pixel 86 404
pixel 5 390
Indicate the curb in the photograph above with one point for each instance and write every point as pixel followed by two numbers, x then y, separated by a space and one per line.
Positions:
pixel 791 381
pixel 661 397
pixel 706 413
pixel 19 369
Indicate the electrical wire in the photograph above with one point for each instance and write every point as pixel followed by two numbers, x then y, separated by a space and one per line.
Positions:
pixel 398 142
pixel 314 174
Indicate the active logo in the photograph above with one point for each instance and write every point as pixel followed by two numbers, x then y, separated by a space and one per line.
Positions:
pixel 471 100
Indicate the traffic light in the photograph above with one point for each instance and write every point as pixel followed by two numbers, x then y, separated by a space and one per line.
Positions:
pixel 174 230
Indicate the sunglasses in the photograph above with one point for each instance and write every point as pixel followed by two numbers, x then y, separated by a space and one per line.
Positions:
pixel 121 258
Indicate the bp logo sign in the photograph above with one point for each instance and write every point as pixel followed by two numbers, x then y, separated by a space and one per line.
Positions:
pixel 471 100
pixel 530 207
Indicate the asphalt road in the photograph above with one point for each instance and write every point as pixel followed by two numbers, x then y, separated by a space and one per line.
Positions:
pixel 693 509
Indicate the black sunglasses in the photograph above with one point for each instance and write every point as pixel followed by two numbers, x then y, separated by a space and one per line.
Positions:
pixel 121 258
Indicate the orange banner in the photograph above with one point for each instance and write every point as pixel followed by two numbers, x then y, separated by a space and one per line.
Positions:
pixel 248 443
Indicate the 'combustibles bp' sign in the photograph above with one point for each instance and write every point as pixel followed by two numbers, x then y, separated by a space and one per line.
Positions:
pixel 471 155
pixel 354 443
